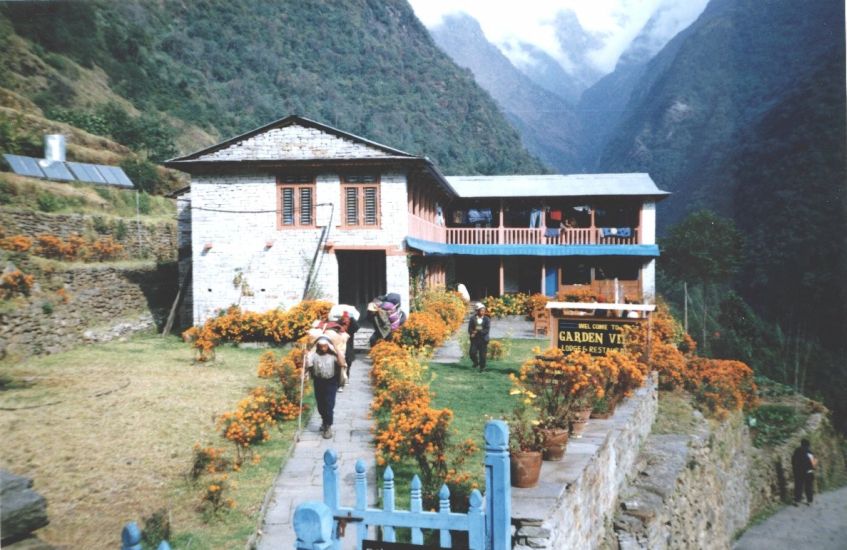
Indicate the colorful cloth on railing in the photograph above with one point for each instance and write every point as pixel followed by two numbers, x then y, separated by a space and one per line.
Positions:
pixel 616 231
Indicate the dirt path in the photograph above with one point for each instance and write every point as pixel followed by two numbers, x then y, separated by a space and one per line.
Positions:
pixel 822 526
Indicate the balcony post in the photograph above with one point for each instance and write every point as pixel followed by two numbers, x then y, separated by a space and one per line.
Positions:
pixel 500 232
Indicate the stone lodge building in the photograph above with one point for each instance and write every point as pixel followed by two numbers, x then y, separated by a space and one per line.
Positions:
pixel 297 208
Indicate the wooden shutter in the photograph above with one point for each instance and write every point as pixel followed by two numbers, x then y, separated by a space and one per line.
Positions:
pixel 351 213
pixel 306 207
pixel 371 208
pixel 287 198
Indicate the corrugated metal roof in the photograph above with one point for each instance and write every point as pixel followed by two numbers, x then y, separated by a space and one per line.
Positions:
pixel 574 185
pixel 430 247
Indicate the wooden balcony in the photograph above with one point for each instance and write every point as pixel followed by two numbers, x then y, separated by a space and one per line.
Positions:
pixel 423 229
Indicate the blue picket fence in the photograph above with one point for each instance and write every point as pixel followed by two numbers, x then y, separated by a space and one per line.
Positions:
pixel 320 525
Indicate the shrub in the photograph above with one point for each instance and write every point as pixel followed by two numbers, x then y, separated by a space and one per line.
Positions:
pixel 207 460
pixel 448 305
pixel 497 350
pixel 775 423
pixel 104 249
pixel 16 282
pixel 721 385
pixel 508 304
pixel 248 425
pixel 16 243
pixel 215 498
pixel 422 330
pixel 51 246
pixel 49 203
pixel 559 384
pixel 235 325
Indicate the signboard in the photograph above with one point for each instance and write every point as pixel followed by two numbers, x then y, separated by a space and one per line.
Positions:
pixel 594 336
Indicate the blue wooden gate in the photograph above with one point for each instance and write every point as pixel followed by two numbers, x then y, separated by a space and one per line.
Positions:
pixel 487 522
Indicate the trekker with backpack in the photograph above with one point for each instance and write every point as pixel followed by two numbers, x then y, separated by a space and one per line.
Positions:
pixel 323 366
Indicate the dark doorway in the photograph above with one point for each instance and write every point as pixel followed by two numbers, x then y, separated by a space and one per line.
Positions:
pixel 361 276
pixel 481 274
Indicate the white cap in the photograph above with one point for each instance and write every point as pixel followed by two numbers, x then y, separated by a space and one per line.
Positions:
pixel 479 306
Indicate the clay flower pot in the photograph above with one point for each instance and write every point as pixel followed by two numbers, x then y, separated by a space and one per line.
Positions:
pixel 526 467
pixel 555 441
pixel 580 419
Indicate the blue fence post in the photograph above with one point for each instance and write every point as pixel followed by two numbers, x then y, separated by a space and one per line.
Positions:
pixel 444 508
pixel 331 482
pixel 498 486
pixel 131 537
pixel 361 500
pixel 388 502
pixel 313 526
pixel 476 522
pixel 416 506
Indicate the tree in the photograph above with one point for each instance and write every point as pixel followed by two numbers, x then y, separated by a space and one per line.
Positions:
pixel 703 248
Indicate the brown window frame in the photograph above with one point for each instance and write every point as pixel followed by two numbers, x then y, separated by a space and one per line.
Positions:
pixel 297 187
pixel 360 187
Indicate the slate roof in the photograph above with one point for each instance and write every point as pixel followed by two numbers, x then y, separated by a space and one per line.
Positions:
pixel 293 138
pixel 574 185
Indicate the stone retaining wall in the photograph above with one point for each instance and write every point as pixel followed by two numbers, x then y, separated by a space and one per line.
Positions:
pixel 575 498
pixel 98 297
pixel 699 490
pixel 140 241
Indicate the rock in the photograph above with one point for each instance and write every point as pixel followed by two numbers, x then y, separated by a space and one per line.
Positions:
pixel 23 509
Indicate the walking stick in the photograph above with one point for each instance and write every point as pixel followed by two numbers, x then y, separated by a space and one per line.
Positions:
pixel 302 383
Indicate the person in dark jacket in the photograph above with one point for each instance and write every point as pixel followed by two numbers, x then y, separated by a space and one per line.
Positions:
pixel 479 326
pixel 804 463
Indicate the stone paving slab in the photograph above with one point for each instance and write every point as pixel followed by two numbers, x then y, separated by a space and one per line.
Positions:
pixel 301 479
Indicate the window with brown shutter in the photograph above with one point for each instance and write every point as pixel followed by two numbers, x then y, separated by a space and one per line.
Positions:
pixel 361 201
pixel 296 195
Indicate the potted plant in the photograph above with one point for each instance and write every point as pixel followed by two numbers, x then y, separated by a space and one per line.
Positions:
pixel 525 444
pixel 565 387
pixel 542 383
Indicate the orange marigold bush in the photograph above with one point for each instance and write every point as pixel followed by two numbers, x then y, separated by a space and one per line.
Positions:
pixel 214 499
pixel 235 325
pixel 508 304
pixel 51 246
pixel 423 330
pixel 207 460
pixel 448 305
pixel 408 426
pixel 16 282
pixel 285 372
pixel 16 243
pixel 248 424
pixel 560 384
pixel 722 385
pixel 104 249
pixel 536 302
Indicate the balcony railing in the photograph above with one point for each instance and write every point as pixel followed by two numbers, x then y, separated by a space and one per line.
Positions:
pixel 429 231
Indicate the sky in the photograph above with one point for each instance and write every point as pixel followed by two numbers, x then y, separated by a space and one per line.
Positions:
pixel 615 23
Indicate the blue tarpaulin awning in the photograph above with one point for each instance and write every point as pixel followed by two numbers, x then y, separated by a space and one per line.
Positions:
pixel 430 247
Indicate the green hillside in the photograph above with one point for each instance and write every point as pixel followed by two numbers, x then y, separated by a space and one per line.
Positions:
pixel 194 72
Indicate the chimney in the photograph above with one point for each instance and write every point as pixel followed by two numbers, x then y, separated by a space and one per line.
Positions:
pixel 54 147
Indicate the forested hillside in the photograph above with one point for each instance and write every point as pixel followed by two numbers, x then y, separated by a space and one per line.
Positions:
pixel 198 71
pixel 685 116
pixel 743 113
pixel 546 122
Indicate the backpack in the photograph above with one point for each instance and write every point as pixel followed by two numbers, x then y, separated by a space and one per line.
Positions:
pixel 323 366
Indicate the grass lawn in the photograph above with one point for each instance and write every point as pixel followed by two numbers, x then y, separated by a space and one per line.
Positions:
pixel 107 431
pixel 474 398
